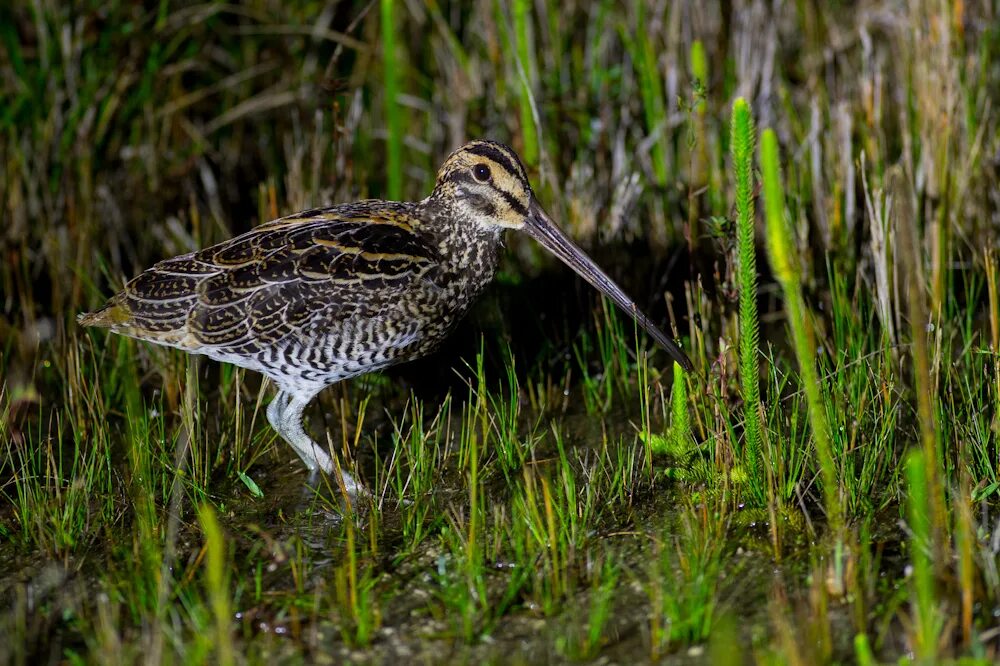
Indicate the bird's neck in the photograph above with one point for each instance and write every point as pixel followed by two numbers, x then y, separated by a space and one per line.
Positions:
pixel 466 246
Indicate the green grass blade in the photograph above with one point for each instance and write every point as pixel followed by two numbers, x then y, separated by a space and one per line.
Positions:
pixel 927 623
pixel 781 253
pixel 217 583
pixel 525 67
pixel 394 127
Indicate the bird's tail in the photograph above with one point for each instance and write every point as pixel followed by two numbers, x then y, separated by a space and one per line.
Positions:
pixel 111 314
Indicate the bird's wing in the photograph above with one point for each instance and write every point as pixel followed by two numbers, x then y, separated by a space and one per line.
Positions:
pixel 284 277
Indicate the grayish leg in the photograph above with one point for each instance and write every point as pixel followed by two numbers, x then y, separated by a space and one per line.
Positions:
pixel 275 409
pixel 285 416
pixel 290 427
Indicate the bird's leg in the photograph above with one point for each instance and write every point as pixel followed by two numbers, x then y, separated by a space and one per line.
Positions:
pixel 276 408
pixel 286 419
pixel 290 427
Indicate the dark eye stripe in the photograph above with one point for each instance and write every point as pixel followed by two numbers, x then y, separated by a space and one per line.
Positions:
pixel 503 160
pixel 515 205
pixel 463 176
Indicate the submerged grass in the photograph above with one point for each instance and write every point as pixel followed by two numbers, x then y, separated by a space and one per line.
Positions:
pixel 685 579
pixel 546 489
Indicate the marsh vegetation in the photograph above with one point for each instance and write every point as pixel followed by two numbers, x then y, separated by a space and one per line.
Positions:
pixel 806 194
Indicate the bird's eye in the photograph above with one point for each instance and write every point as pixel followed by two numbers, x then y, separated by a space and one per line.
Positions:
pixel 481 172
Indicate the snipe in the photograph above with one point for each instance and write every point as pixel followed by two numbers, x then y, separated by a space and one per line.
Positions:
pixel 332 293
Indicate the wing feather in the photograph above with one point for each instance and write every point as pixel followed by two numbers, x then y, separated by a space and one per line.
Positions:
pixel 277 280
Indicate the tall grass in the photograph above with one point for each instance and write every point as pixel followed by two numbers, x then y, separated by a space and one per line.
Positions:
pixel 701 166
pixel 542 489
pixel 640 43
pixel 217 583
pixel 911 260
pixel 524 72
pixel 394 126
pixel 784 263
pixel 926 618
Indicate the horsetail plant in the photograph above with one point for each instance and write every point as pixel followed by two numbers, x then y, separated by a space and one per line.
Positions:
pixel 680 420
pixel 741 147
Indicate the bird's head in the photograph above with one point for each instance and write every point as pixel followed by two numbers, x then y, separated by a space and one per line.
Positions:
pixel 485 183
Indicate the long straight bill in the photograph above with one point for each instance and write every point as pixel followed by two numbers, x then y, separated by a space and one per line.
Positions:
pixel 543 230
